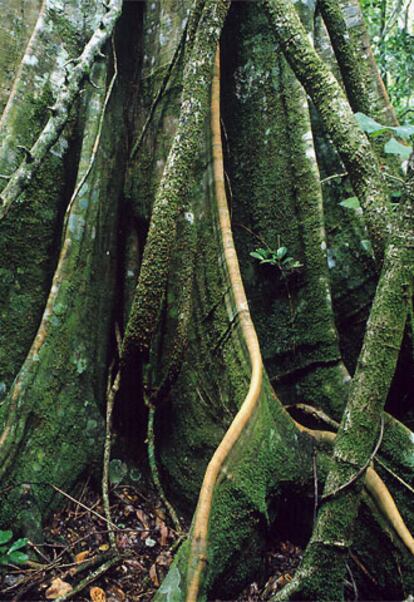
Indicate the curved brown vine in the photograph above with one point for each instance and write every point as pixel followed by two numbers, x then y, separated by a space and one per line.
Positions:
pixel 376 488
pixel 198 553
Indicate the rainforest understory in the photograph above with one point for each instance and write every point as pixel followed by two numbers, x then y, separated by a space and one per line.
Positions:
pixel 206 299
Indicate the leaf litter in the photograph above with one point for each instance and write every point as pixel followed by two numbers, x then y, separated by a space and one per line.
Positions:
pixel 75 542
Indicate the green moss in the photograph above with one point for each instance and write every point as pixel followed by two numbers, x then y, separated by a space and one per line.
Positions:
pixel 28 255
pixel 29 235
pixel 337 117
pixel 175 185
pixel 277 201
pixel 58 423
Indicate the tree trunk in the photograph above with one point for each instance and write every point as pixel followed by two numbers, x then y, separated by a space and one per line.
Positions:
pixel 130 222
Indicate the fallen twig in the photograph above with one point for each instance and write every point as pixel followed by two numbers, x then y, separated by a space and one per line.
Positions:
pixel 90 578
pixel 72 499
pixel 315 413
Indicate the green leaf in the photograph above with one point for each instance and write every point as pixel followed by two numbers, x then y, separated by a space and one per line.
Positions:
pixel 5 536
pixel 272 261
pixel 369 125
pixel 367 246
pixel 19 543
pixel 291 264
pixel 404 131
pixel 261 253
pixel 393 147
pixel 256 255
pixel 351 203
pixel 281 252
pixel 372 127
pixel 17 557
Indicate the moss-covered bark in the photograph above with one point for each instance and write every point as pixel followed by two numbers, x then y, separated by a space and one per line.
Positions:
pixel 176 182
pixel 29 237
pixel 352 271
pixel 276 200
pixel 359 428
pixel 380 105
pixel 175 584
pixel 336 116
pixel 18 19
pixel 51 418
pixel 195 367
pixel 346 52
pixel 69 89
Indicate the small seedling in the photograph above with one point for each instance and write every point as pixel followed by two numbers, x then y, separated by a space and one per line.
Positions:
pixel 10 551
pixel 278 258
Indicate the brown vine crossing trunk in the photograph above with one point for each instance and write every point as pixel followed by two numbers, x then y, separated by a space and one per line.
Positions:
pixel 146 150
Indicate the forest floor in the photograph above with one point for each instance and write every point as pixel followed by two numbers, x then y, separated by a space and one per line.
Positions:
pixel 75 548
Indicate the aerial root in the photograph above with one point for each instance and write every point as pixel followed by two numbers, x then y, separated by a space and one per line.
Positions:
pixel 111 392
pixel 198 552
pixel 377 490
pixel 154 469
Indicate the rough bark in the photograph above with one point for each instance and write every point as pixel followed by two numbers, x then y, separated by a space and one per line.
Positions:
pixel 358 432
pixel 336 116
pixel 194 371
pixel 29 239
pixel 379 100
pixel 176 181
pixel 277 200
pixel 60 110
pixel 51 415
pixel 355 61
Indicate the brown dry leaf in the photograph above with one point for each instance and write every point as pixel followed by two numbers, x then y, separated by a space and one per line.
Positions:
pixel 158 522
pixel 97 594
pixel 159 513
pixel 283 579
pixel 58 588
pixel 123 541
pixel 143 519
pixel 163 559
pixel 153 575
pixel 82 556
pixel 135 564
pixel 163 535
pixel 144 534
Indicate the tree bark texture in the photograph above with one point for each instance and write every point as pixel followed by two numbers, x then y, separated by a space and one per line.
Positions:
pixel 119 224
